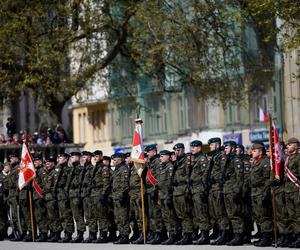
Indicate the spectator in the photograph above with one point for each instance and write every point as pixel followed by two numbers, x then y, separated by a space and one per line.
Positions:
pixel 43 139
pixel 53 136
pixel 15 139
pixel 11 127
pixel 2 139
pixel 61 133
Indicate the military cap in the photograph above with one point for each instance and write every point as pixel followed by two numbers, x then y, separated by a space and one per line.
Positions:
pixel 128 154
pixel 178 145
pixel 229 143
pixel 75 153
pixel 107 158
pixel 117 155
pixel 293 140
pixel 172 152
pixel 196 143
pixel 50 159
pixel 37 158
pixel 214 139
pixel 88 153
pixel 240 146
pixel 165 152
pixel 98 152
pixel 150 147
pixel 258 145
pixel 13 155
pixel 64 155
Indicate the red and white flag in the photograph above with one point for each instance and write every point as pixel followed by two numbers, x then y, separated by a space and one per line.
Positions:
pixel 278 154
pixel 263 116
pixel 27 171
pixel 137 152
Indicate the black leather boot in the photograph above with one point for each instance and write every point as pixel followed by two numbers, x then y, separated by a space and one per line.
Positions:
pixel 139 240
pixel 55 238
pixel 67 238
pixel 112 236
pixel 195 235
pixel 215 234
pixel 157 239
pixel 170 241
pixel 265 241
pixel 79 237
pixel 296 243
pixel 43 238
pixel 122 240
pixel 28 237
pixel 222 239
pixel 102 238
pixel 91 238
pixel 236 241
pixel 204 238
pixel 15 236
pixel 150 236
pixel 186 240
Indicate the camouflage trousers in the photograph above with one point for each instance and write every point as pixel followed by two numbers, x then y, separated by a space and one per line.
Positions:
pixel 183 211
pixel 136 211
pixel 293 209
pixel 217 209
pixel 169 217
pixel 25 214
pixel 3 216
pixel 99 216
pixel 40 215
pixel 53 216
pixel 87 210
pixel 233 210
pixel 65 215
pixel 121 217
pixel 200 213
pixel 77 212
pixel 262 215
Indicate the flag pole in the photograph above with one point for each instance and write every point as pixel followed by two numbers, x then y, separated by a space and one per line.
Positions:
pixel 271 144
pixel 31 215
pixel 143 210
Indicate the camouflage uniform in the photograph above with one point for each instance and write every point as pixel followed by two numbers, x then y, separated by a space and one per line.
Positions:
pixel 3 205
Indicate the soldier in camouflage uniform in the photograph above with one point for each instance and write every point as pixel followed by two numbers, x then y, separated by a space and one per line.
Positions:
pixel 246 194
pixel 180 195
pixel 40 212
pixel 165 193
pixel 3 203
pixel 13 197
pixel 74 186
pixel 120 190
pixel 199 188
pixel 64 209
pixel 155 217
pixel 261 194
pixel 233 185
pixel 50 198
pixel 87 175
pixel 292 195
pixel 216 196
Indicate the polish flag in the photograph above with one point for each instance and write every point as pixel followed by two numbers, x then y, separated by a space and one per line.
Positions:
pixel 137 152
pixel 263 117
pixel 27 171
pixel 278 154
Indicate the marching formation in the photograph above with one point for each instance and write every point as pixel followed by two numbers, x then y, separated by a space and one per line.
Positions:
pixel 189 198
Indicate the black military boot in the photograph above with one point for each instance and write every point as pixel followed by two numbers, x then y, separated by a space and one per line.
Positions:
pixel 112 236
pixel 79 237
pixel 203 240
pixel 157 239
pixel 122 240
pixel 2 236
pixel 43 238
pixel 215 234
pixel 186 240
pixel 265 241
pixel 28 237
pixel 17 236
pixel 195 235
pixel 170 241
pixel 55 238
pixel 236 241
pixel 150 236
pixel 102 238
pixel 67 238
pixel 222 239
pixel 296 243
pixel 247 238
pixel 91 238
pixel 139 240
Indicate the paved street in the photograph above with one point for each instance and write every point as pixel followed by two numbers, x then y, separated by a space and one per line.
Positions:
pixel 7 245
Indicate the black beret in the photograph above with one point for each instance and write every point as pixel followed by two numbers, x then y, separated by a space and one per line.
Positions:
pixel 172 153
pixel 214 139
pixel 128 154
pixel 13 155
pixel 107 158
pixel 37 158
pixel 64 155
pixel 178 145
pixel 230 143
pixel 98 152
pixel 75 153
pixel 240 146
pixel 117 155
pixel 150 147
pixel 50 159
pixel 88 153
pixel 196 143
pixel 165 152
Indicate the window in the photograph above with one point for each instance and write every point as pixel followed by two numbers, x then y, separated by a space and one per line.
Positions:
pixel 81 118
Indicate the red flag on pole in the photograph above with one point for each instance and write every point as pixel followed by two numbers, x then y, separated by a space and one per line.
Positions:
pixel 137 152
pixel 27 171
pixel 278 154
pixel 263 116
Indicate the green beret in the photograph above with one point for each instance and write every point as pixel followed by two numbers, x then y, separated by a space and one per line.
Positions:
pixel 178 145
pixel 87 153
pixel 107 158
pixel 230 143
pixel 117 155
pixel 240 146
pixel 214 139
pixel 165 152
pixel 293 140
pixel 196 143
pixel 150 147
pixel 98 152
